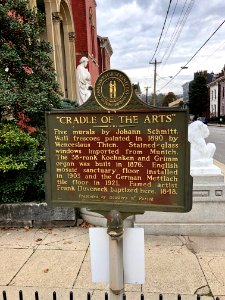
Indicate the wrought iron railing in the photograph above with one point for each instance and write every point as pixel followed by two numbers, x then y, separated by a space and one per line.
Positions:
pixel 105 296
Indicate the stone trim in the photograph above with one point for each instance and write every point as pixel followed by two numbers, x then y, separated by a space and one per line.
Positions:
pixel 56 16
pixel 36 215
pixel 72 36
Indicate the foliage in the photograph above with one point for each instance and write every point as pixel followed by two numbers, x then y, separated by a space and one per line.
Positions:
pixel 28 88
pixel 21 186
pixel 170 97
pixel 68 104
pixel 198 95
pixel 18 150
pixel 20 160
pixel 28 85
pixel 160 98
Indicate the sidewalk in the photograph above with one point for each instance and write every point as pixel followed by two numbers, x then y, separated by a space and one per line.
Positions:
pixel 58 259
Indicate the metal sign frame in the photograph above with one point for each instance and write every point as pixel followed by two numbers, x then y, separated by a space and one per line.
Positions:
pixel 134 158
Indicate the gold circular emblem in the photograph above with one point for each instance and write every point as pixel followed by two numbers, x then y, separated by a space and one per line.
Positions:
pixel 113 90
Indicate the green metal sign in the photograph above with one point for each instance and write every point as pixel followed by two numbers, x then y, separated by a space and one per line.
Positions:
pixel 115 152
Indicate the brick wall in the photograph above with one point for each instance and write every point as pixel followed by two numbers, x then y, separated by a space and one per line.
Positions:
pixel 84 15
pixel 104 54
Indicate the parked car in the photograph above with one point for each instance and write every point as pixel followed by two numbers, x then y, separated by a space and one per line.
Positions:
pixel 203 120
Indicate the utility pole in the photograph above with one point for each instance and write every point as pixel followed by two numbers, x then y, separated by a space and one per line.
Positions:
pixel 146 95
pixel 155 63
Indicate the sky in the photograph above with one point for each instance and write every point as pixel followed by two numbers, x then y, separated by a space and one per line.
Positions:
pixel 136 34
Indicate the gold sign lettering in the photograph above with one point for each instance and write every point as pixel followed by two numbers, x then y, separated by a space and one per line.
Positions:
pixel 122 155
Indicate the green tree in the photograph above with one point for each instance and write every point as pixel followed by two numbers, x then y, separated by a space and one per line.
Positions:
pixel 151 99
pixel 28 85
pixel 170 97
pixel 160 98
pixel 19 157
pixel 28 88
pixel 198 95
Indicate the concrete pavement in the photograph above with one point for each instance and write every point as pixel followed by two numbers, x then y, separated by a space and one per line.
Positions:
pixel 58 260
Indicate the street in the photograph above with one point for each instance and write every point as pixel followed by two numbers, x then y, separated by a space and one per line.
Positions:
pixel 217 136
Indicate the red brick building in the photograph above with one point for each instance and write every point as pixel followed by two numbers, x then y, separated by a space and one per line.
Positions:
pixel 72 32
pixel 104 53
pixel 98 50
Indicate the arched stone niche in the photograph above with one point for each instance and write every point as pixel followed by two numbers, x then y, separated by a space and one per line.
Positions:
pixel 61 34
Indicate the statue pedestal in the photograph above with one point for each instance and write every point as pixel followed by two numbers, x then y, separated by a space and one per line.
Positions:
pixel 206 217
pixel 206 171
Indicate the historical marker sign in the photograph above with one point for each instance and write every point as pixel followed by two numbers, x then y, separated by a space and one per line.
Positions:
pixel 114 152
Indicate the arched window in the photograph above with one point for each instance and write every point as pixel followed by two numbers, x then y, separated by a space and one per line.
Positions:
pixel 41 5
pixel 41 8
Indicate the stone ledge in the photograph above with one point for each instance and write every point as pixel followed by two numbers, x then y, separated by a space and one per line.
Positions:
pixel 36 215
pixel 205 218
pixel 208 179
pixel 194 229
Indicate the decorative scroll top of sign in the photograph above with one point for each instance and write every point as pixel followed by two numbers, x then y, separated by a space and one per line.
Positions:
pixel 113 90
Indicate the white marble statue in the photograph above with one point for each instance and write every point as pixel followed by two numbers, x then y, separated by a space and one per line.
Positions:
pixel 201 152
pixel 83 81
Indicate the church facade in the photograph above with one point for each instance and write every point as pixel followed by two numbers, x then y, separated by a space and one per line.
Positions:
pixel 71 29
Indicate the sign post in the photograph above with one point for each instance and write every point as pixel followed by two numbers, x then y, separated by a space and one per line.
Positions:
pixel 116 275
pixel 117 156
